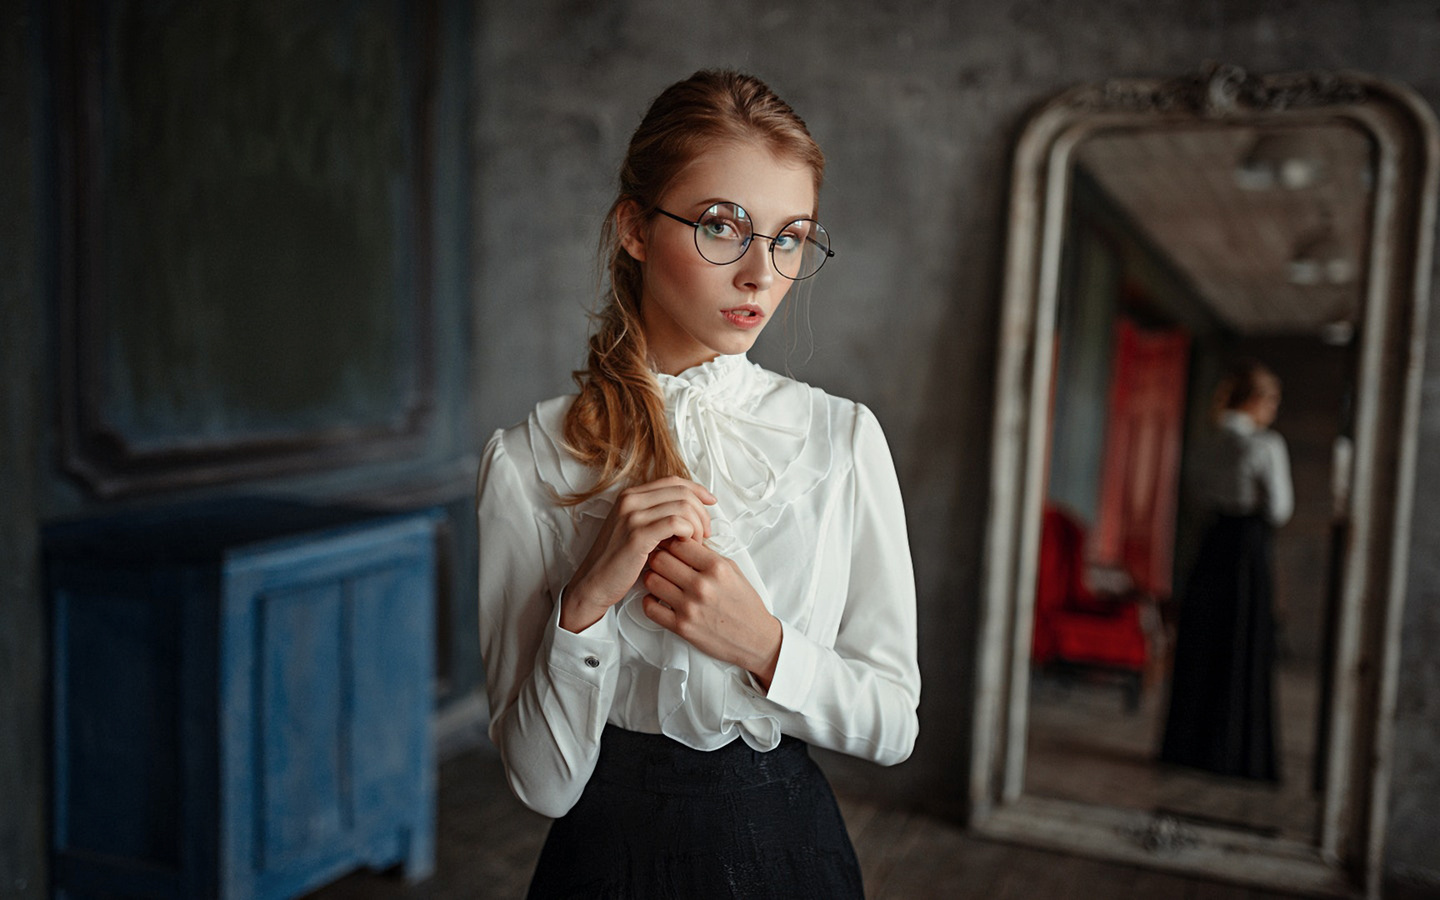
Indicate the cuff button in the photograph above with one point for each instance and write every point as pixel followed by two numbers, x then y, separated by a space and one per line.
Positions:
pixel 592 662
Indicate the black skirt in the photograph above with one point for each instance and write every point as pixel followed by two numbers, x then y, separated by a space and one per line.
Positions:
pixel 1221 717
pixel 660 820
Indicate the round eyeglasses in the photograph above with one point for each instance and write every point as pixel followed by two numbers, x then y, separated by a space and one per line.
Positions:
pixel 723 234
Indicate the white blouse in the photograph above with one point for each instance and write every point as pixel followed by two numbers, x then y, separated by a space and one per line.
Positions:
pixel 808 508
pixel 1247 470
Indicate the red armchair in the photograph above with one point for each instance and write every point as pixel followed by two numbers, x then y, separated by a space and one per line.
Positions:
pixel 1076 629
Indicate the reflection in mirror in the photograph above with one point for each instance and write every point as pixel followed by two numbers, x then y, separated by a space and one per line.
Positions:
pixel 1160 230
pixel 1184 251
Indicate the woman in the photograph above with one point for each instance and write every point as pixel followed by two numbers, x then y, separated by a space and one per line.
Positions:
pixel 694 568
pixel 1221 716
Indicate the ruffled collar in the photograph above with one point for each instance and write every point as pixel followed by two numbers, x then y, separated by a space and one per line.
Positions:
pixel 710 377
pixel 730 449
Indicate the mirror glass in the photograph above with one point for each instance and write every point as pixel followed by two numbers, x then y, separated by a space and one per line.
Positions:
pixel 1184 250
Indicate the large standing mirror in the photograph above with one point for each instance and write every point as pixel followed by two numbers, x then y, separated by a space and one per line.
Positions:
pixel 1159 232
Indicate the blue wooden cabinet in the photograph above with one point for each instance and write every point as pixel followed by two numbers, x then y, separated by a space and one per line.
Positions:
pixel 241 699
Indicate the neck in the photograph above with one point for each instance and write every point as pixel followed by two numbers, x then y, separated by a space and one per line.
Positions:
pixel 676 366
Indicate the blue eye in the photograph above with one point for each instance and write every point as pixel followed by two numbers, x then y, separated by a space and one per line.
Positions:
pixel 788 242
pixel 719 229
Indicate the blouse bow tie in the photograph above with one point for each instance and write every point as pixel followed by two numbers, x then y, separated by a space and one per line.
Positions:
pixel 721 442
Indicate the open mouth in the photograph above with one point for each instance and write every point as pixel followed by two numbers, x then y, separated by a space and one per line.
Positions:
pixel 744 316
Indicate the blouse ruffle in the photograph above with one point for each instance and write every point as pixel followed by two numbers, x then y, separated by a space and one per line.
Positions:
pixel 743 433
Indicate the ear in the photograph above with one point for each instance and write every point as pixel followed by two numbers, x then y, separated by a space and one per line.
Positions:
pixel 631 228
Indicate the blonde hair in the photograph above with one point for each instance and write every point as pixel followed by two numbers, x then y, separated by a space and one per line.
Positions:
pixel 617 425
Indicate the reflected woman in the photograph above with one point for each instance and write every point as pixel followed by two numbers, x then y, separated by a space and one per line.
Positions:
pixel 1221 716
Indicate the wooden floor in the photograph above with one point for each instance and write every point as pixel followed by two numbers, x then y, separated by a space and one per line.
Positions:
pixel 487 843
pixel 1085 746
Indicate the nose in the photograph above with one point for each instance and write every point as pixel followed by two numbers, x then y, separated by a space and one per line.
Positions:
pixel 753 271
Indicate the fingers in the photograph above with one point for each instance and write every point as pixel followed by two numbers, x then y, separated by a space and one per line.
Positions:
pixel 674 481
pixel 641 518
pixel 680 568
pixel 643 506
pixel 693 554
pixel 682 519
pixel 667 565
pixel 671 484
pixel 660 614
pixel 673 583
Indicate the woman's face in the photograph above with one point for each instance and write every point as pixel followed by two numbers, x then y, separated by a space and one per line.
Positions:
pixel 691 309
pixel 1264 406
pixel 1267 406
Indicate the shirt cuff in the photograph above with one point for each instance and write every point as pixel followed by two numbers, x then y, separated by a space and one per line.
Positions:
pixel 794 670
pixel 588 655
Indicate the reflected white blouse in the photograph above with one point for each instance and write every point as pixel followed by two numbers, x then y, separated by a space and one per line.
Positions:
pixel 1247 470
pixel 808 507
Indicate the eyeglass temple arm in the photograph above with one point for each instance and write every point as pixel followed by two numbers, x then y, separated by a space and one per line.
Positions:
pixel 828 252
pixel 681 219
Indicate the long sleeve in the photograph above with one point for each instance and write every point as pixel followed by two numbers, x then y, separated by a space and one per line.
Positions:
pixel 550 690
pixel 1273 471
pixel 860 696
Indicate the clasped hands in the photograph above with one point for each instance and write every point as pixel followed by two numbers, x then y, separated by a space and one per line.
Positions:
pixel 656 532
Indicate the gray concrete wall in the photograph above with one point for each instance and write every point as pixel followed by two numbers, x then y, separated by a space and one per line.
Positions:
pixel 917 106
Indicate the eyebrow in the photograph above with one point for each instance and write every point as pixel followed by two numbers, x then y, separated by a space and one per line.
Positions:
pixel 703 205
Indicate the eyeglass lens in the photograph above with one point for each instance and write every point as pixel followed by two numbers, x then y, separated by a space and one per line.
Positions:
pixel 723 234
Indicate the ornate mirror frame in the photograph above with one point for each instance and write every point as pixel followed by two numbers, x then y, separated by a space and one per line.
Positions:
pixel 1345 856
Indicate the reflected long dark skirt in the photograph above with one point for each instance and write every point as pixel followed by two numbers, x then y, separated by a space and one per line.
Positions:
pixel 1221 716
pixel 660 820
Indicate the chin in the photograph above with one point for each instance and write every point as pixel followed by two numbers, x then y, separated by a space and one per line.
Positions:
pixel 738 347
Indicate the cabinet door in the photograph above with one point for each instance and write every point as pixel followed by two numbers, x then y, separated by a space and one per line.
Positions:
pixel 326 673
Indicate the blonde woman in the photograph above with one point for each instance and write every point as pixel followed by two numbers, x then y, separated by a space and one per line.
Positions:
pixel 694 568
pixel 1221 717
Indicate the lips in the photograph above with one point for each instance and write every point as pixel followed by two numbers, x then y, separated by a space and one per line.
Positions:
pixel 747 316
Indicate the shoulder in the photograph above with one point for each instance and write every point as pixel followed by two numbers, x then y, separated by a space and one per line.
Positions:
pixel 1264 441
pixel 1273 445
pixel 845 431
pixel 530 451
pixel 517 440
pixel 782 397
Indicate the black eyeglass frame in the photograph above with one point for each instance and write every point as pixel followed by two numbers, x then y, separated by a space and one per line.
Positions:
pixel 753 235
